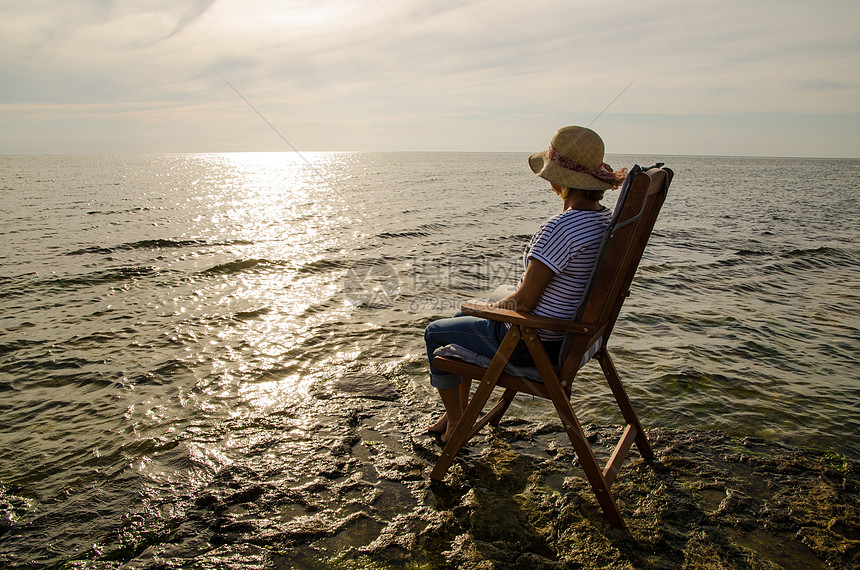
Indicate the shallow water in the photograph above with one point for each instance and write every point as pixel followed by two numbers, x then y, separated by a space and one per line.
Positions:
pixel 169 318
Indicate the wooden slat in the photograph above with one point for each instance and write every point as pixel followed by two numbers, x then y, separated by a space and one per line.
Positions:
pixel 460 368
pixel 495 415
pixel 620 453
pixel 526 319
pixel 623 401
pixel 495 412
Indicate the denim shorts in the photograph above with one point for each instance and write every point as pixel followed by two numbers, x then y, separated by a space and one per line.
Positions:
pixel 480 335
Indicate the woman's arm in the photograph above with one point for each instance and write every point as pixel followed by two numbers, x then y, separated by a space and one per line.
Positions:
pixel 535 279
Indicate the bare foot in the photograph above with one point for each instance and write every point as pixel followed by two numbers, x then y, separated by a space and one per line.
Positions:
pixel 448 433
pixel 440 426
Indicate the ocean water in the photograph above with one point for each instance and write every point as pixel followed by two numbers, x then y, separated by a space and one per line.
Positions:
pixel 165 317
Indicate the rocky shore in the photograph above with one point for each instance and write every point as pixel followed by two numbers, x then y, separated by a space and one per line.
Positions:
pixel 355 493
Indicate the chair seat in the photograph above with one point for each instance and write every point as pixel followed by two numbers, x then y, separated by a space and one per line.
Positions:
pixel 457 352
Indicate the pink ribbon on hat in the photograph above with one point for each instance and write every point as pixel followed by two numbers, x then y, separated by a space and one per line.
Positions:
pixel 603 172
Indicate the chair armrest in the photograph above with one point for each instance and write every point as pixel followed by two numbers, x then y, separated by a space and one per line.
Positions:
pixel 493 313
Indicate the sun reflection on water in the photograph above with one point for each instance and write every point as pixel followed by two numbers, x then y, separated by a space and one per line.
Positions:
pixel 290 219
pixel 261 291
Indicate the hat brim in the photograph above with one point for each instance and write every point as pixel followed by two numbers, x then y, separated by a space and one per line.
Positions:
pixel 549 170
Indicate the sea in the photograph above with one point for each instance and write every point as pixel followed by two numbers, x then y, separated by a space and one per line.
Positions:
pixel 167 319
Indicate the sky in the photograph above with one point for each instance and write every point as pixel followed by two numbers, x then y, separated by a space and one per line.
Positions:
pixel 733 77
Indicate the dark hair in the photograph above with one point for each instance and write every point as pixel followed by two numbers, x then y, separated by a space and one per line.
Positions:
pixel 594 195
pixel 591 195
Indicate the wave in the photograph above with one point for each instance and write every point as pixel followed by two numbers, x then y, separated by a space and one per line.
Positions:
pixel 114 212
pixel 801 259
pixel 54 372
pixel 324 265
pixel 16 285
pixel 768 260
pixel 24 285
pixel 821 251
pixel 799 252
pixel 407 234
pixel 250 315
pixel 424 230
pixel 241 266
pixel 156 244
pixel 165 372
pixel 15 345
pixel 114 275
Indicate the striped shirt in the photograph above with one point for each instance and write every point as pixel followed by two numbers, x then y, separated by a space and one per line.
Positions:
pixel 568 244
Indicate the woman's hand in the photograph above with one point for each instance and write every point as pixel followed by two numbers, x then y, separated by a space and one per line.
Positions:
pixel 525 299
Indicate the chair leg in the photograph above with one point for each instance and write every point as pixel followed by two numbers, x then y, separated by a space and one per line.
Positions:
pixel 574 431
pixel 576 435
pixel 624 404
pixel 463 431
pixel 613 466
pixel 495 415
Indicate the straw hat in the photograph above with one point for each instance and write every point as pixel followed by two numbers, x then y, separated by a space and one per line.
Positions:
pixel 575 159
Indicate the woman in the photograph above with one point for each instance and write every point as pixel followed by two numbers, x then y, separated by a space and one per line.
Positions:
pixel 558 262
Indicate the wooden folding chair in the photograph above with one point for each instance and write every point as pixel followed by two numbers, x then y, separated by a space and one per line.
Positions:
pixel 641 197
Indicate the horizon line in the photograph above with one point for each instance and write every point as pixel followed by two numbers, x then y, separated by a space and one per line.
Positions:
pixel 299 152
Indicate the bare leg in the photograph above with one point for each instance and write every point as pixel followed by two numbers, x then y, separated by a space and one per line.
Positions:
pixel 453 410
pixel 442 423
pixel 455 403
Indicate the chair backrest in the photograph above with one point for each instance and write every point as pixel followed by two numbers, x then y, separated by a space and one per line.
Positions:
pixel 624 241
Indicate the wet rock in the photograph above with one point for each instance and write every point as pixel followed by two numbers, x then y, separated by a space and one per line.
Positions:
pixel 400 468
pixel 231 532
pixel 246 495
pixel 350 489
pixel 12 507
pixel 305 529
pixel 400 534
pixel 245 556
pixel 700 503
pixel 365 386
pixel 205 500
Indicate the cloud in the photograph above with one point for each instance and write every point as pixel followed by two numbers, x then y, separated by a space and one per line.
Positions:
pixel 195 10
pixel 391 69
pixel 824 85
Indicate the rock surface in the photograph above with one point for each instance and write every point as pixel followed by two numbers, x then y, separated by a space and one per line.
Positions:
pixel 342 481
pixel 516 498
